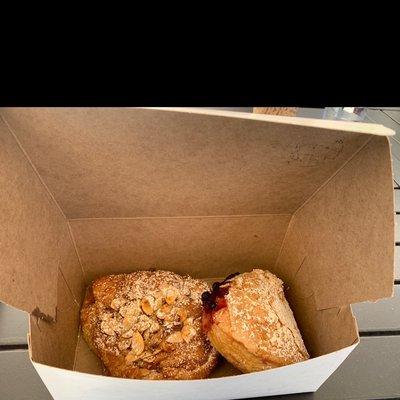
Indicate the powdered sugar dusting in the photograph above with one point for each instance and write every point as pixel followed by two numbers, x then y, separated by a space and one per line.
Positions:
pixel 147 324
pixel 261 318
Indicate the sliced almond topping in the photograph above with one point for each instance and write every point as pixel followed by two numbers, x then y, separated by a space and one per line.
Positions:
pixel 172 316
pixel 127 334
pixel 188 321
pixel 104 316
pixel 106 328
pixel 154 340
pixel 131 357
pixel 147 305
pixel 188 332
pixel 149 356
pixel 171 295
pixel 124 344
pixel 163 311
pixel 182 313
pixel 167 347
pixel 175 337
pixel 122 310
pixel 154 327
pixel 146 334
pixel 116 304
pixel 137 344
pixel 131 309
pixel 168 325
pixel 158 300
pixel 128 321
pixel 143 323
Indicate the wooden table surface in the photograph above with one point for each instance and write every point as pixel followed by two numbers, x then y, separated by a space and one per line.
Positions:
pixel 372 371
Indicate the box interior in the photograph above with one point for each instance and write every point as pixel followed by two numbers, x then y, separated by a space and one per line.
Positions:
pixel 90 192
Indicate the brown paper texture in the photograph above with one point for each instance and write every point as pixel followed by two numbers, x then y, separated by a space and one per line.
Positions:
pixel 34 238
pixel 147 163
pixel 88 192
pixel 194 246
pixel 342 240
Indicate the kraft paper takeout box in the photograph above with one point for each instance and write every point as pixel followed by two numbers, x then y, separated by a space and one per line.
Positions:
pixel 88 192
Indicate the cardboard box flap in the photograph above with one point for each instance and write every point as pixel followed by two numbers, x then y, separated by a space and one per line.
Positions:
pixel 141 163
pixel 115 163
pixel 340 243
pixel 34 239
pixel 199 192
pixel 336 125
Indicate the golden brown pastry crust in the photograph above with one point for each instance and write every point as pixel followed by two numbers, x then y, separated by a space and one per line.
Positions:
pixel 255 329
pixel 147 325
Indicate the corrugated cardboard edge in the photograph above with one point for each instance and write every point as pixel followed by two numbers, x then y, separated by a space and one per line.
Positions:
pixel 346 126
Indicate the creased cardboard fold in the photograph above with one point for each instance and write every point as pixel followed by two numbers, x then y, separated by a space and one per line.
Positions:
pixel 34 238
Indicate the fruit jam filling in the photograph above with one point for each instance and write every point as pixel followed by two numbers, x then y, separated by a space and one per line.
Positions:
pixel 215 300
